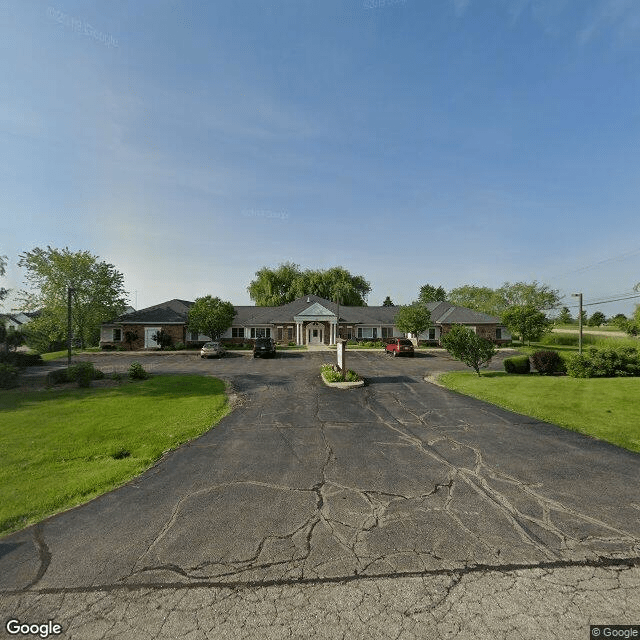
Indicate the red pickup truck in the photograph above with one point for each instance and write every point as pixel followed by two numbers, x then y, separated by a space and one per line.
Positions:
pixel 399 347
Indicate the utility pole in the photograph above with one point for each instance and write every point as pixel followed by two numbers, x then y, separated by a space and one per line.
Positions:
pixel 70 291
pixel 579 295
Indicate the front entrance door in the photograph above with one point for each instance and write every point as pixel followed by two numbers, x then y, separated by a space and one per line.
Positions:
pixel 149 342
pixel 315 334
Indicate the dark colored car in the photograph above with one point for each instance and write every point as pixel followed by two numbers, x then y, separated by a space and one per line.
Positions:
pixel 399 347
pixel 264 348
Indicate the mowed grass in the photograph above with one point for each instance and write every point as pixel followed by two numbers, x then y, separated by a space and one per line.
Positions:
pixel 62 448
pixel 605 408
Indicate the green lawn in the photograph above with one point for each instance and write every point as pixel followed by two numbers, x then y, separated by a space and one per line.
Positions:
pixel 605 408
pixel 60 448
pixel 55 355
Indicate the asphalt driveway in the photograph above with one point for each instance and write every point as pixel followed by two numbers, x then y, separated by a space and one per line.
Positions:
pixel 397 510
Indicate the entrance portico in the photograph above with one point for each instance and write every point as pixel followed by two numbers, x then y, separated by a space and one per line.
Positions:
pixel 316 325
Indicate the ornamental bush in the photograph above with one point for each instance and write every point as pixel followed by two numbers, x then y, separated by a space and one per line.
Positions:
pixel 547 362
pixel 83 373
pixel 517 364
pixel 605 363
pixel 137 372
pixel 8 376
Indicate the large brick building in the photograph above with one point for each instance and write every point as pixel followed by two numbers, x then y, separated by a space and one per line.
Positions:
pixel 307 320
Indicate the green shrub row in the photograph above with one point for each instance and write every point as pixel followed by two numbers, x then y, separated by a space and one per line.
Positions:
pixel 605 363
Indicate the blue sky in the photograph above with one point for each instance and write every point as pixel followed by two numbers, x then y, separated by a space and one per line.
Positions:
pixel 443 141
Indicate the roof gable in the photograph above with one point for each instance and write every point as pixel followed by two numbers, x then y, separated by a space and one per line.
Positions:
pixel 316 309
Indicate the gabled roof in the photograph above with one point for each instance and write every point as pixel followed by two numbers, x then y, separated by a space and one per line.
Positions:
pixel 166 312
pixel 177 311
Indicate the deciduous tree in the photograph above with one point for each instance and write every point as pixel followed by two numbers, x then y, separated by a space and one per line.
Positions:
pixel 526 321
pixel 429 293
pixel 414 318
pixel 464 345
pixel 274 287
pixel 3 264
pixel 597 318
pixel 482 299
pixel 98 293
pixel 564 317
pixel 211 316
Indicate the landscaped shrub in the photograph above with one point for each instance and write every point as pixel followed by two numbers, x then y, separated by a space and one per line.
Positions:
pixel 332 374
pixel 163 339
pixel 517 364
pixel 292 343
pixel 180 346
pixel 605 363
pixel 137 372
pixel 83 373
pixel 548 362
pixel 8 376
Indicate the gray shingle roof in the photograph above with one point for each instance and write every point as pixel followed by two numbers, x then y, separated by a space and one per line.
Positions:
pixel 177 311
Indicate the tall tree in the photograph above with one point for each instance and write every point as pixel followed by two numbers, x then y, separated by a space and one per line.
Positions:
pixel 429 293
pixel 414 318
pixel 564 317
pixel 211 316
pixel 387 302
pixel 98 293
pixel 482 299
pixel 597 318
pixel 526 321
pixel 495 301
pixel 540 296
pixel 3 264
pixel 274 287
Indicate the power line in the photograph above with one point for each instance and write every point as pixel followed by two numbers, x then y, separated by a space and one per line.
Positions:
pixel 596 302
pixel 622 256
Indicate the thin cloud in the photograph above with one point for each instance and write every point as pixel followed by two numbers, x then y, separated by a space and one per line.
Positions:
pixel 460 6
pixel 622 17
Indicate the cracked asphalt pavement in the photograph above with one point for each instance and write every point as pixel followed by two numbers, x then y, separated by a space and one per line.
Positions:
pixel 398 510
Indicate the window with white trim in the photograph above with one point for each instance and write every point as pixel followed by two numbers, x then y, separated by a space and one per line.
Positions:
pixel 193 336
pixel 117 335
pixel 498 333
pixel 367 332
pixel 237 332
pixel 387 332
pixel 432 333
pixel 260 332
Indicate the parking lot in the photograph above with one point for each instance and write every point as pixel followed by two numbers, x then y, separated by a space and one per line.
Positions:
pixel 314 512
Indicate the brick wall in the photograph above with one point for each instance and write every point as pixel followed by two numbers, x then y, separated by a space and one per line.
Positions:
pixel 176 331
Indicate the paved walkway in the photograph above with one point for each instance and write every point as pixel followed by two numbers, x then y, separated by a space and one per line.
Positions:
pixel 400 510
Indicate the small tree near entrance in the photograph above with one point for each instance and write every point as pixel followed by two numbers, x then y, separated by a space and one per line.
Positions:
pixel 464 345
pixel 414 318
pixel 211 316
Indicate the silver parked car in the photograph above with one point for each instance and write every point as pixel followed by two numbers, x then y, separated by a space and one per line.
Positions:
pixel 212 349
